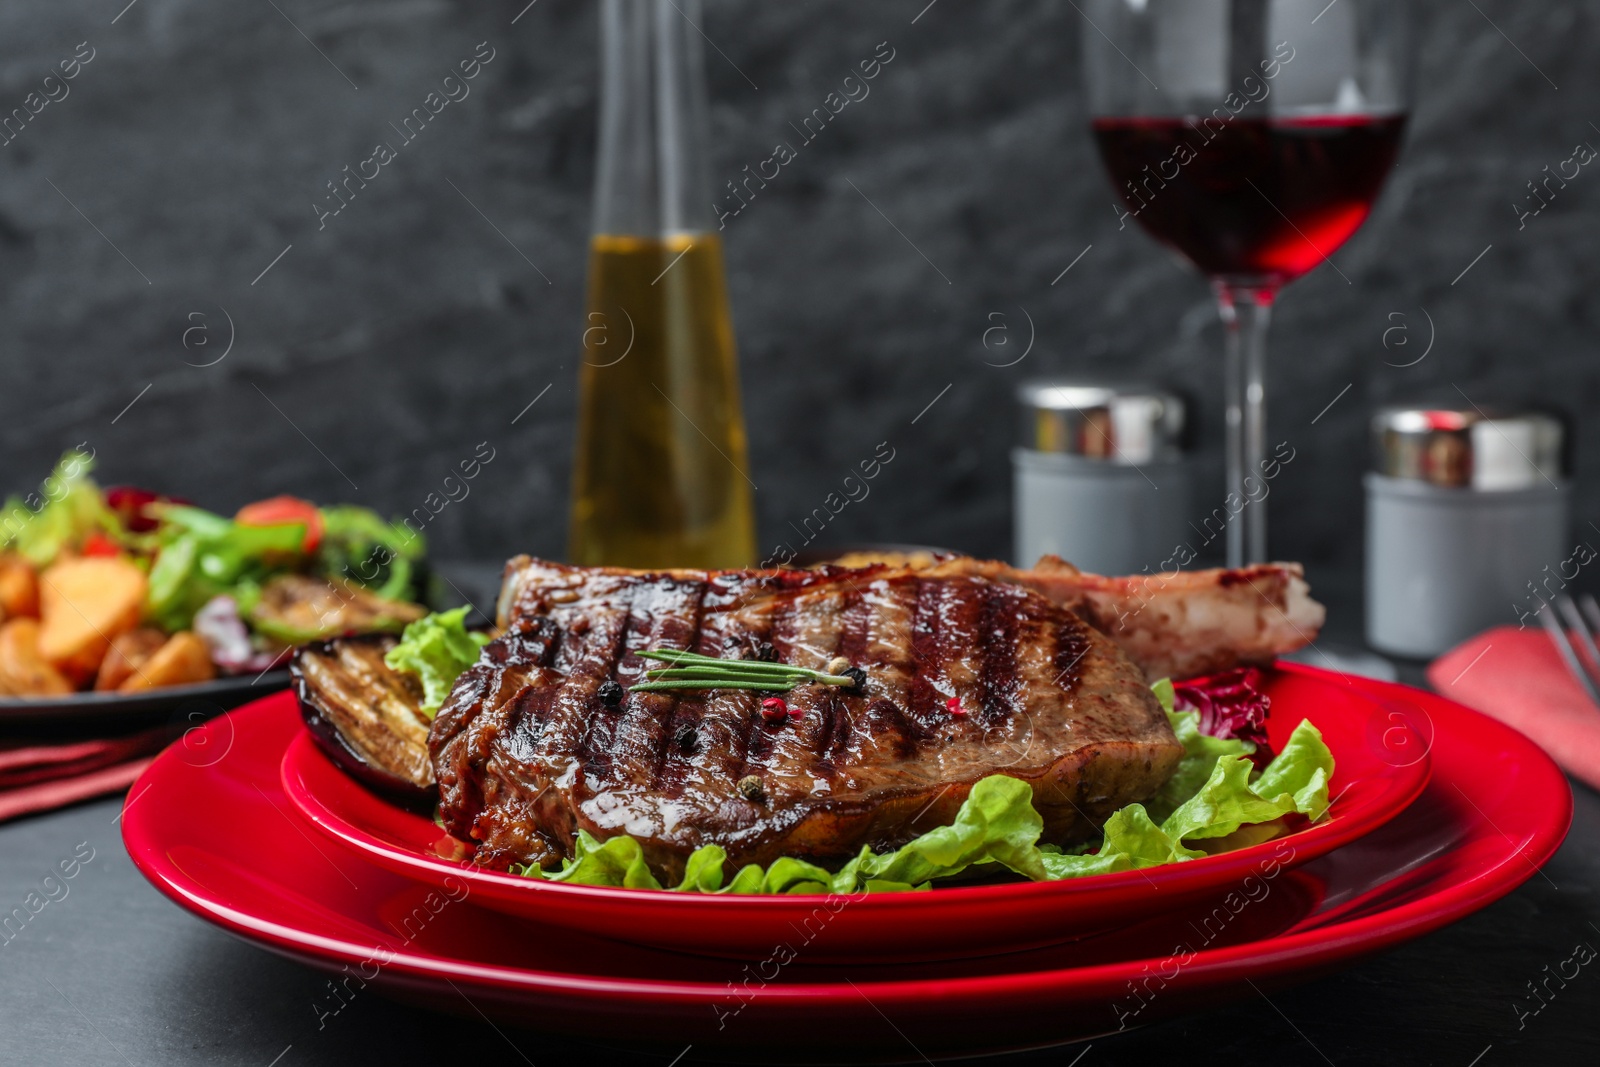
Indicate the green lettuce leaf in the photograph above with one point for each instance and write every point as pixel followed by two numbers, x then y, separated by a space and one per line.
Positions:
pixel 1200 754
pixel 703 872
pixel 1229 800
pixel 359 545
pixel 617 862
pixel 66 509
pixel 203 555
pixel 996 824
pixel 437 648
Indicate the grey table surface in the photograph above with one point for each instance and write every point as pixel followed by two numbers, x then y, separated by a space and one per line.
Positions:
pixel 114 973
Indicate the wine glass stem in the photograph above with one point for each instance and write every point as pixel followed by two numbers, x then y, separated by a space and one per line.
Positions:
pixel 1246 311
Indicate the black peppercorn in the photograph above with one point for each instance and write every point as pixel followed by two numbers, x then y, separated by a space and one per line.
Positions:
pixel 766 653
pixel 610 694
pixel 750 788
pixel 686 738
pixel 860 677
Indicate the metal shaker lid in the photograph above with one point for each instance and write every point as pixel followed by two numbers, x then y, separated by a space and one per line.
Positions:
pixel 1477 449
pixel 1122 424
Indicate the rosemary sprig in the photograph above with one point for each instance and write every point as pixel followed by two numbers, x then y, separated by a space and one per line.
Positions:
pixel 690 670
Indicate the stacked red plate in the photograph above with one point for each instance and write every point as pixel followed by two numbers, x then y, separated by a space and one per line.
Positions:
pixel 1438 811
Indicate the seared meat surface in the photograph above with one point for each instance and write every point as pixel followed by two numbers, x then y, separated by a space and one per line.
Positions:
pixel 526 752
pixel 1174 624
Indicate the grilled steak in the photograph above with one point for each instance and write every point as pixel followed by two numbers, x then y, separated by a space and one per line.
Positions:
pixel 528 749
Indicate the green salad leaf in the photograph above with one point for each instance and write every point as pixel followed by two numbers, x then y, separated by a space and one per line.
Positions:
pixel 67 508
pixel 359 545
pixel 437 648
pixel 203 555
pixel 1200 754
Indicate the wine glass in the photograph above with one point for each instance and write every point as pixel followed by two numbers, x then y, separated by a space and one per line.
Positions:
pixel 1251 137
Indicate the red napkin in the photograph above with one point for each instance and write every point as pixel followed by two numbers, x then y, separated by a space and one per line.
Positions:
pixel 37 777
pixel 1518 677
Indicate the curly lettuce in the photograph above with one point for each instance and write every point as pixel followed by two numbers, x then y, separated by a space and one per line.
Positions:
pixel 67 508
pixel 437 648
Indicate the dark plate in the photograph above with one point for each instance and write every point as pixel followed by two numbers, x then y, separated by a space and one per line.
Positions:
pixel 203 697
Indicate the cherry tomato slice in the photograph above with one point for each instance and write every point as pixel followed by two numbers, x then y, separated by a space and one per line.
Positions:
pixel 98 544
pixel 282 510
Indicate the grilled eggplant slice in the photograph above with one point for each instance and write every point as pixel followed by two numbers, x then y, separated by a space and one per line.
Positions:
pixel 296 608
pixel 365 715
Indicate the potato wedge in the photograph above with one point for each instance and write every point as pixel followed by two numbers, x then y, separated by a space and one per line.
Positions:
pixel 19 588
pixel 183 659
pixel 83 604
pixel 128 655
pixel 23 672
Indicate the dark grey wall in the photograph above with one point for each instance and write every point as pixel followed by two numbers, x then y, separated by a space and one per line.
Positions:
pixel 378 351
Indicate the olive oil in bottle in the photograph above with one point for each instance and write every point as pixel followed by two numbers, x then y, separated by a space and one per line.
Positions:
pixel 660 477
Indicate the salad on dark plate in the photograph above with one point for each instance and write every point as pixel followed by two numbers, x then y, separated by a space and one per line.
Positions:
pixel 110 596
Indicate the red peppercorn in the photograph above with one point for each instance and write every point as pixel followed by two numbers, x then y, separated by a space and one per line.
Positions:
pixel 773 709
pixel 956 710
pixel 796 714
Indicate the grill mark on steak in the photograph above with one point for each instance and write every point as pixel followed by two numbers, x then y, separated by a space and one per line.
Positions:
pixel 741 708
pixel 833 731
pixel 998 620
pixel 661 614
pixel 922 696
pixel 807 630
pixel 1072 645
pixel 608 654
pixel 526 755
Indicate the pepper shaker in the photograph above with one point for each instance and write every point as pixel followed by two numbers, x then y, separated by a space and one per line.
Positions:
pixel 1099 475
pixel 1467 514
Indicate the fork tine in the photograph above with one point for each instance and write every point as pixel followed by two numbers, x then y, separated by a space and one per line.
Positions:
pixel 1591 611
pixel 1590 651
pixel 1559 637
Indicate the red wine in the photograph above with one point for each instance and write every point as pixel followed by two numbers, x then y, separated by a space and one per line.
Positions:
pixel 1262 199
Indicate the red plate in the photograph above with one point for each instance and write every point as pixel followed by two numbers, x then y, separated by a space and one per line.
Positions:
pixel 1380 767
pixel 208 824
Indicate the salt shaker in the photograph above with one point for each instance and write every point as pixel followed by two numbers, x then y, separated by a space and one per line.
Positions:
pixel 1467 524
pixel 1099 475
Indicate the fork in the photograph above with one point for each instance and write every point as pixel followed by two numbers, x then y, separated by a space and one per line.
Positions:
pixel 1584 623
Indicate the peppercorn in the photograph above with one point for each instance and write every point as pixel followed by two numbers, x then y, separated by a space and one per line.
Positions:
pixel 750 788
pixel 860 677
pixel 610 694
pixel 773 709
pixel 956 710
pixel 838 665
pixel 686 738
pixel 766 653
